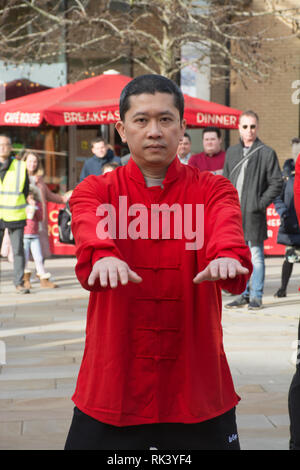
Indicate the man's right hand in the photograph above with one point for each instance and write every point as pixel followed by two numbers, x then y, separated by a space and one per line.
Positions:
pixel 110 270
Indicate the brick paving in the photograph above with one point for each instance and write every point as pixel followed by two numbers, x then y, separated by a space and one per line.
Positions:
pixel 44 333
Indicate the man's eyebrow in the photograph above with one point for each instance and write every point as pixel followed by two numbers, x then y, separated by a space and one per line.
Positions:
pixel 145 113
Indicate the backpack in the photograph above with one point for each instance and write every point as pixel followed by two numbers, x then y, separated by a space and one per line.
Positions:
pixel 64 225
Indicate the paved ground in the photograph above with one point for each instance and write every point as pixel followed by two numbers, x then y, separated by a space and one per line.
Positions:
pixel 43 337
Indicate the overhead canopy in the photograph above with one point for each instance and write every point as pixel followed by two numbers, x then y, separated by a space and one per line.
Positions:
pixel 95 101
pixel 201 113
pixel 91 101
pixel 21 87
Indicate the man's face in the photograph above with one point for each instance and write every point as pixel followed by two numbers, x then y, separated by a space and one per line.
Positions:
pixel 211 143
pixel 248 128
pixel 5 147
pixel 184 147
pixel 99 149
pixel 152 130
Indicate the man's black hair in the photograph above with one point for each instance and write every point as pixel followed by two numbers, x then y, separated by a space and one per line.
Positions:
pixel 151 84
pixel 212 129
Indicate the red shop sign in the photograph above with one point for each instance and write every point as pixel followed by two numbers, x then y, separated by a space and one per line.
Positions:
pixel 56 247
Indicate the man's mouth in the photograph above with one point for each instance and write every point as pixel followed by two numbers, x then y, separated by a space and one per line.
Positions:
pixel 155 146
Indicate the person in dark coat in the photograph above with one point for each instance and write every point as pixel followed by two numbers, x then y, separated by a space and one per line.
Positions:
pixel 289 232
pixel 102 155
pixel 294 390
pixel 253 169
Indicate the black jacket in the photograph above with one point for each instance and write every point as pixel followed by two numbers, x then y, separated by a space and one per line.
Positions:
pixel 288 233
pixel 262 184
pixel 93 166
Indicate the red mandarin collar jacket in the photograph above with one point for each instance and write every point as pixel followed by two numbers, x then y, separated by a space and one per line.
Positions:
pixel 154 350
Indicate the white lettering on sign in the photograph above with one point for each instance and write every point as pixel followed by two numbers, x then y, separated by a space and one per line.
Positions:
pixel 273 222
pixel 226 119
pixel 271 211
pixel 73 117
pixel 21 118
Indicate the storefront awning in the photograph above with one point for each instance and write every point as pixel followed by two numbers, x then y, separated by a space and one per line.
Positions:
pixel 95 101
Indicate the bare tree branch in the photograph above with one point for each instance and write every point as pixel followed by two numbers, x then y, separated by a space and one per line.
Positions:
pixel 149 33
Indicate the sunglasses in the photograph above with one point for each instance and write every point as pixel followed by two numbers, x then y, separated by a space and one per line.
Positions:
pixel 252 126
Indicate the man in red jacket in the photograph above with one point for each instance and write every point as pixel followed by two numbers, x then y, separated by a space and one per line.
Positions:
pixel 213 157
pixel 294 391
pixel 156 241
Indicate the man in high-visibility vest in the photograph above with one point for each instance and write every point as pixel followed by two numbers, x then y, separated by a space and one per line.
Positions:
pixel 14 186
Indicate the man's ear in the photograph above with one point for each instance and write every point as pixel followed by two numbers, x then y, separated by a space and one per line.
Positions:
pixel 120 128
pixel 183 126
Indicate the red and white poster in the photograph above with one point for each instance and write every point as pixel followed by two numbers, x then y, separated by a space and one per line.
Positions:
pixel 271 247
pixel 56 247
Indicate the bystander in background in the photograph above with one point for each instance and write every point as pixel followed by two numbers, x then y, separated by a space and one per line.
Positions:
pixel 254 171
pixel 109 167
pixel 294 391
pixel 34 214
pixel 35 173
pixel 14 187
pixel 184 148
pixel 101 154
pixel 212 158
pixel 288 232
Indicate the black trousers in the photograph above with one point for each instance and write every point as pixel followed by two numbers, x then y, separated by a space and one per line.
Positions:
pixel 294 403
pixel 219 433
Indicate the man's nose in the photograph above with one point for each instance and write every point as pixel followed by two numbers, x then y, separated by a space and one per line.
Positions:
pixel 154 129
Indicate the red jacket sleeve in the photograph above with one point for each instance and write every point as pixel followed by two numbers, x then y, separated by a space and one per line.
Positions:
pixel 297 188
pixel 85 200
pixel 223 230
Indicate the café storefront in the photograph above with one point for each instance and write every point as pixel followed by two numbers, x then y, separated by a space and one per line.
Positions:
pixel 59 124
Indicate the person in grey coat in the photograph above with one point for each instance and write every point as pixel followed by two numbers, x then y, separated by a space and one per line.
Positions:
pixel 253 169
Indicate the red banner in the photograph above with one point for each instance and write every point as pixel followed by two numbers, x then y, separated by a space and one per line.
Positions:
pixel 56 247
pixel 271 246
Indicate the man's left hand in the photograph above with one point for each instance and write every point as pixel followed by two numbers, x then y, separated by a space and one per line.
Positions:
pixel 221 268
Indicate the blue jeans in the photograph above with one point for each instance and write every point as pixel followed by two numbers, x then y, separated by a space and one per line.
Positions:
pixel 32 244
pixel 255 286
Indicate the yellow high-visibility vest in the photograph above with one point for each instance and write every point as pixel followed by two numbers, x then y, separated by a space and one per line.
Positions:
pixel 12 199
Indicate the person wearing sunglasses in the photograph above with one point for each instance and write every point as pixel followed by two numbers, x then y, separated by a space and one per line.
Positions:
pixel 253 169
